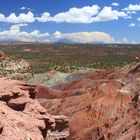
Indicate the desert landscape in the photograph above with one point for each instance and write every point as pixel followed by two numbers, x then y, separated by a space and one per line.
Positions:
pixel 77 102
pixel 70 70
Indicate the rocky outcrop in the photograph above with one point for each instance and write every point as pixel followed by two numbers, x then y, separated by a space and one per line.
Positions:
pixel 105 107
pixel 23 118
pixel 3 56
pixel 15 69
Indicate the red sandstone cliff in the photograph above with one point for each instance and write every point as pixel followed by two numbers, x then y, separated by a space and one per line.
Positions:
pixel 100 106
pixel 23 118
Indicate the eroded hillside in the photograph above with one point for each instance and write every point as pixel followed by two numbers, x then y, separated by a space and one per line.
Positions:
pixel 100 105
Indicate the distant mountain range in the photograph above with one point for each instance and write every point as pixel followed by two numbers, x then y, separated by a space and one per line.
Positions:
pixel 61 41
pixel 12 42
pixel 65 41
pixel 68 41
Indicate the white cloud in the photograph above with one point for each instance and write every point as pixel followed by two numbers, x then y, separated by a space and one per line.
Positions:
pixel 132 7
pixel 107 14
pixel 86 14
pixel 22 18
pixel 37 34
pixel 14 33
pixel 44 17
pixel 57 34
pixel 87 37
pixel 131 12
pixel 26 8
pixel 29 17
pixel 22 8
pixel 138 19
pixel 115 4
pixel 74 15
pixel 16 27
pixel 134 42
pixel 2 17
pixel 131 25
pixel 125 40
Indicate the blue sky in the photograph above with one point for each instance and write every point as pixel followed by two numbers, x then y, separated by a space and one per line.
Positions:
pixel 78 20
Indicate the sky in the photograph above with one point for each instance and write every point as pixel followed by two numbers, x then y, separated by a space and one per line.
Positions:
pixel 84 21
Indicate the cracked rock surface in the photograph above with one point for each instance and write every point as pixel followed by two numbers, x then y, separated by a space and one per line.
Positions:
pixel 23 118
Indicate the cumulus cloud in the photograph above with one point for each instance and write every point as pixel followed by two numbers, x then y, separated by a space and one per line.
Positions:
pixel 74 15
pixel 22 18
pixel 16 27
pixel 37 34
pixel 115 4
pixel 132 7
pixel 86 37
pixel 44 17
pixel 57 34
pixel 107 14
pixel 87 14
pixel 2 17
pixel 14 33
pixel 26 8
pixel 131 25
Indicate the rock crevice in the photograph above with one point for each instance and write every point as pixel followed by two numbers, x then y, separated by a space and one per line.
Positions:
pixel 22 117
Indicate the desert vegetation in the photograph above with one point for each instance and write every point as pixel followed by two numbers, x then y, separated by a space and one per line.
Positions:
pixel 71 57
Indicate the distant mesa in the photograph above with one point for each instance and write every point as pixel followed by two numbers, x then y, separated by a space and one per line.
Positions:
pixel 67 41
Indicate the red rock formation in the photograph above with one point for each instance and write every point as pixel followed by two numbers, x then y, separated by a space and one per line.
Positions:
pixel 106 110
pixel 23 118
pixel 3 56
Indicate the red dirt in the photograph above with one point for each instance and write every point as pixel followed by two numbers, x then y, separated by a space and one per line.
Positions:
pixel 100 106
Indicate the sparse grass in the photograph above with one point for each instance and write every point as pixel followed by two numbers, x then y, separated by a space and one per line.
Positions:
pixel 67 58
